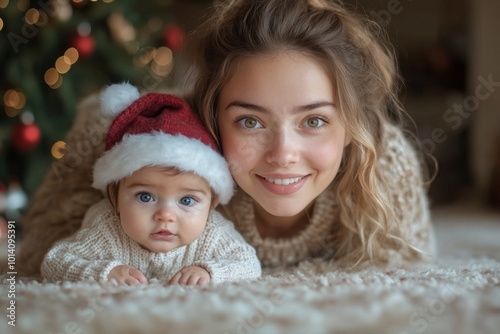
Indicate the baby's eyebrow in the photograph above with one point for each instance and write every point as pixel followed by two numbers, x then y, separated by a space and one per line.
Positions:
pixel 195 190
pixel 139 184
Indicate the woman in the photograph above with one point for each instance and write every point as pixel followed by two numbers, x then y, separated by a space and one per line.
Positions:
pixel 299 93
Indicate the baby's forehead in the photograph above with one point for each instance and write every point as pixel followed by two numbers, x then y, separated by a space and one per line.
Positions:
pixel 156 175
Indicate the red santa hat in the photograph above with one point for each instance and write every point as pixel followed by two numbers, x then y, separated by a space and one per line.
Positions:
pixel 157 130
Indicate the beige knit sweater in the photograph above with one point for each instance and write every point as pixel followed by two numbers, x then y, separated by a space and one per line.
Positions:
pixel 403 172
pixel 101 244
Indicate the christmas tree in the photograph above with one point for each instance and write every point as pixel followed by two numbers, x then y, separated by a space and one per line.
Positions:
pixel 54 53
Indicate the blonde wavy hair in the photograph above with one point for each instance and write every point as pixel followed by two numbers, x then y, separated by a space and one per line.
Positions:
pixel 353 49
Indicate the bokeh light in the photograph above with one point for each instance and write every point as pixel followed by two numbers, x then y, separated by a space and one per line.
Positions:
pixel 51 76
pixel 63 64
pixel 58 149
pixel 32 16
pixel 72 55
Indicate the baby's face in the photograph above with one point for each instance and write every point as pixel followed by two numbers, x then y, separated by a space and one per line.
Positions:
pixel 163 210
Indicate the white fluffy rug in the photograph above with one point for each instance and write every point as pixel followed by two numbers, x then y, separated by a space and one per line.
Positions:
pixel 460 293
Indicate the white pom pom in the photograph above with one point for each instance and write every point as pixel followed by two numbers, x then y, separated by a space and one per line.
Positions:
pixel 117 97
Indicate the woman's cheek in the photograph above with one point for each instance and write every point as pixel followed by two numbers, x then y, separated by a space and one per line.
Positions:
pixel 239 153
pixel 327 156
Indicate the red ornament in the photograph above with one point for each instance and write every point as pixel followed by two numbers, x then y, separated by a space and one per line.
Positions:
pixel 85 45
pixel 26 137
pixel 174 37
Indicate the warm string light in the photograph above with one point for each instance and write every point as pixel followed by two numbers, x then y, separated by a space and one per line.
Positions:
pixel 160 60
pixel 53 76
pixel 23 5
pixel 32 16
pixel 14 102
pixel 1 24
pixel 4 3
pixel 58 149
pixel 123 31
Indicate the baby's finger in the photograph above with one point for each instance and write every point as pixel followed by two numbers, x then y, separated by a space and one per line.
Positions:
pixel 130 280
pixel 192 279
pixel 139 276
pixel 203 280
pixel 175 278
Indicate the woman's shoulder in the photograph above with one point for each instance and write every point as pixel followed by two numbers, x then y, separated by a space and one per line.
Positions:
pixel 399 149
pixel 395 137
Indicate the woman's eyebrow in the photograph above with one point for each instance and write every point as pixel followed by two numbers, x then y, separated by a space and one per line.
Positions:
pixel 246 105
pixel 312 106
pixel 299 109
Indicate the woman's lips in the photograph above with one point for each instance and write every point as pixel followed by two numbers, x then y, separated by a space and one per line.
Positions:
pixel 283 181
pixel 283 185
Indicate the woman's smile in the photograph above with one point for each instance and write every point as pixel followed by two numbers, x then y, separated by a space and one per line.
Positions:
pixel 283 185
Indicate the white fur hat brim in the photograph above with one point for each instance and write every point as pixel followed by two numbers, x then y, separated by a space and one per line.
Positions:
pixel 160 149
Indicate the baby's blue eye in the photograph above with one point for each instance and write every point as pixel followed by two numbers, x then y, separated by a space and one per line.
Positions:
pixel 187 201
pixel 145 197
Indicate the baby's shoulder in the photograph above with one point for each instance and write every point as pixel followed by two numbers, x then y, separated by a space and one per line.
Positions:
pixel 99 212
pixel 217 220
pixel 219 225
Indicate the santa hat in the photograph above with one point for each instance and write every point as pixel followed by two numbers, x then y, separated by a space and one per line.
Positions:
pixel 157 130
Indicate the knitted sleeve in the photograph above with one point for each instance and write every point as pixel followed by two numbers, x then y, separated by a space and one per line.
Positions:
pixel 90 253
pixel 224 253
pixel 402 171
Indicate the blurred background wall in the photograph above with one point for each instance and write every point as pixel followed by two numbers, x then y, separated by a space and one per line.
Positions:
pixel 449 55
pixel 53 53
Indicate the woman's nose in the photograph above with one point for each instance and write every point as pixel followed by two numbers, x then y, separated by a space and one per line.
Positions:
pixel 165 213
pixel 283 148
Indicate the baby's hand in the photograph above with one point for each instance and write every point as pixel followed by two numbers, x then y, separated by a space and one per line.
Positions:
pixel 127 275
pixel 191 275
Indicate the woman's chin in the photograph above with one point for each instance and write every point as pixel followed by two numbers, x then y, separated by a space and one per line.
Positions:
pixel 283 208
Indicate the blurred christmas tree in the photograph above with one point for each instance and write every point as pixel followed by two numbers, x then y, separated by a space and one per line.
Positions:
pixel 55 52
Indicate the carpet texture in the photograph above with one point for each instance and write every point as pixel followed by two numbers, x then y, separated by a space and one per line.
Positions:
pixel 459 293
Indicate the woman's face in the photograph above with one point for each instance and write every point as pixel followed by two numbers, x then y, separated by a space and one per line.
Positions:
pixel 280 130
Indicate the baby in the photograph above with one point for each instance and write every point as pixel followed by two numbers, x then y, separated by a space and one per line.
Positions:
pixel 162 175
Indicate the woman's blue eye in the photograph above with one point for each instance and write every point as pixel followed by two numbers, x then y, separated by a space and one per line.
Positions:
pixel 315 122
pixel 187 201
pixel 249 123
pixel 145 197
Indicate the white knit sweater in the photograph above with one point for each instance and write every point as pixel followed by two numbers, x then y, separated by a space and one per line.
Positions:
pixel 101 244
pixel 402 170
